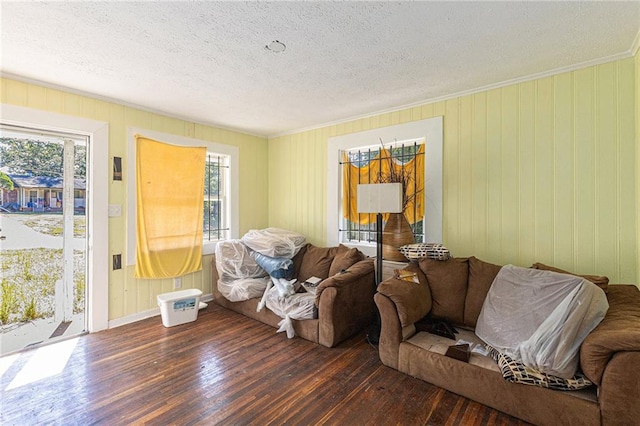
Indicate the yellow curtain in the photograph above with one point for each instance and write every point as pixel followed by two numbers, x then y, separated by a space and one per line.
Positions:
pixel 378 171
pixel 170 204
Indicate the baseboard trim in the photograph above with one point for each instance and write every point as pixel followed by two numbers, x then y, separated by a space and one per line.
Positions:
pixel 139 316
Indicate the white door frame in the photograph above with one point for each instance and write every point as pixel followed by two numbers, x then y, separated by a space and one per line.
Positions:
pixel 98 198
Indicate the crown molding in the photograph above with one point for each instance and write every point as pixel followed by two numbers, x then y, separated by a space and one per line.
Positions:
pixel 65 89
pixel 486 88
pixel 630 53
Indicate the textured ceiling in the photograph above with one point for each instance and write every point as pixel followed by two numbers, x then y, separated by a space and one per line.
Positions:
pixel 207 62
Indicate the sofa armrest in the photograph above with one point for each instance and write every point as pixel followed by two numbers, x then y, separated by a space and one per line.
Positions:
pixel 345 303
pixel 390 331
pixel 618 332
pixel 610 356
pixel 358 273
pixel 619 391
pixel 412 300
pixel 214 278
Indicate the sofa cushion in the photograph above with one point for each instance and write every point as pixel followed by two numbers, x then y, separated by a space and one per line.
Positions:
pixel 412 300
pixel 481 275
pixel 316 262
pixel 297 260
pixel 345 257
pixel 600 281
pixel 448 284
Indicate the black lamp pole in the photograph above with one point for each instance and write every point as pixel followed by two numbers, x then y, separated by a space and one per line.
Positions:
pixel 378 249
pixel 379 198
pixel 374 336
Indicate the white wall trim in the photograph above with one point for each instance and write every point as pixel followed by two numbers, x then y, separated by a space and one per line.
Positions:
pixel 97 193
pixel 431 131
pixel 234 185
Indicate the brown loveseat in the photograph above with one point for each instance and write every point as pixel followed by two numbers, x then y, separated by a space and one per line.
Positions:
pixel 454 290
pixel 344 299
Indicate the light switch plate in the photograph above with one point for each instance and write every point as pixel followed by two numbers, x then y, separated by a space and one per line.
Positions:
pixel 115 210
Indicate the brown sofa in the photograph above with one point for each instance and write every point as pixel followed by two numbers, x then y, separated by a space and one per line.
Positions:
pixel 454 290
pixel 344 298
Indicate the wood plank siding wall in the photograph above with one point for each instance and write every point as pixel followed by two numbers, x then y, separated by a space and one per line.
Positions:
pixel 130 297
pixel 545 170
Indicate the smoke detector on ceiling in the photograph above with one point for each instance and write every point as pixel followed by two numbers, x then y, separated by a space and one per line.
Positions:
pixel 276 46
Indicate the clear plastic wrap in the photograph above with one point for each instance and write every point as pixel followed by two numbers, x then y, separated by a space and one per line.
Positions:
pixel 239 289
pixel 541 318
pixel 240 276
pixel 277 267
pixel 233 260
pixel 284 287
pixel 274 242
pixel 263 300
pixel 299 306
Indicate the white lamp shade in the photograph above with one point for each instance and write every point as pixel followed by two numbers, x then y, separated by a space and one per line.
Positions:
pixel 380 198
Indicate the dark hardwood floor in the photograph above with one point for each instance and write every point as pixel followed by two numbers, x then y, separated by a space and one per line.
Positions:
pixel 226 369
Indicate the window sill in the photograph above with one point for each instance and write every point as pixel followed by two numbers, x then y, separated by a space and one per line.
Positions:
pixel 368 249
pixel 209 248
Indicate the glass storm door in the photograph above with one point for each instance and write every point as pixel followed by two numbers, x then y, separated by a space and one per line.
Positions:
pixel 43 244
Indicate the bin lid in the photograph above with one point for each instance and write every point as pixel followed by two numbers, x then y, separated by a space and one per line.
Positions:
pixel 177 295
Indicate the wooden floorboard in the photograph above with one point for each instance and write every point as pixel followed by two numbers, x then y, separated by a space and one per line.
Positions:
pixel 231 370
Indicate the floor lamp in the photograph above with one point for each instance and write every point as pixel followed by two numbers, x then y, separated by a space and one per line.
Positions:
pixel 379 198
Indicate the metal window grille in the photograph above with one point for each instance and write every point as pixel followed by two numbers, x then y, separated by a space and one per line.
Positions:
pixel 215 226
pixel 354 232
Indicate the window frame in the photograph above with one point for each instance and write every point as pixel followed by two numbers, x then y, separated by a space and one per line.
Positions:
pixel 369 150
pixel 222 195
pixel 431 131
pixel 97 133
pixel 231 188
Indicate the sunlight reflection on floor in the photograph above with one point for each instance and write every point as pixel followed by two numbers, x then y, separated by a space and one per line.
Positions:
pixel 46 361
pixel 6 362
pixel 19 336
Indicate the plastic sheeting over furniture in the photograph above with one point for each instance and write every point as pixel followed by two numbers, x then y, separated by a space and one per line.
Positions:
pixel 249 267
pixel 241 278
pixel 298 306
pixel 541 318
pixel 274 242
pixel 276 267
pixel 343 301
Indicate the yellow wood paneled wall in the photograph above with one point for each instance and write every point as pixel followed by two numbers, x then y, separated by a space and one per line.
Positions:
pixel 545 170
pixel 129 296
